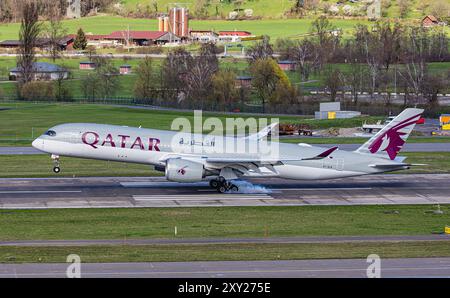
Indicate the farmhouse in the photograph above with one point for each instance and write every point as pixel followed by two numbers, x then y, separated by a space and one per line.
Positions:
pixel 233 36
pixel 287 65
pixel 204 36
pixel 42 43
pixel 430 21
pixel 143 38
pixel 42 71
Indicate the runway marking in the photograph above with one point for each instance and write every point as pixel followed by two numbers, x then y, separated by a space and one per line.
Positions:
pixel 217 197
pixel 38 191
pixel 327 188
pixel 230 271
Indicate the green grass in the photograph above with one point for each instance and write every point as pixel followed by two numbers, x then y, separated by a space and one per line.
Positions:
pixel 12 166
pixel 220 222
pixel 107 24
pixel 436 162
pixel 223 252
pixel 25 121
pixel 358 140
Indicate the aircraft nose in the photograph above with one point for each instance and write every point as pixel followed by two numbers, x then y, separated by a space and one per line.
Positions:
pixel 38 144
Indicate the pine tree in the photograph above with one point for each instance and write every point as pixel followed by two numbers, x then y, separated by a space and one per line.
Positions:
pixel 80 42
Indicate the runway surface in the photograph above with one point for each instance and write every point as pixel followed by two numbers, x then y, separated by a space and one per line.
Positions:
pixel 199 241
pixel 352 268
pixel 409 147
pixel 96 192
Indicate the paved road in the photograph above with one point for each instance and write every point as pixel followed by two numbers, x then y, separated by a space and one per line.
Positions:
pixel 278 240
pixel 409 147
pixel 29 193
pixel 352 268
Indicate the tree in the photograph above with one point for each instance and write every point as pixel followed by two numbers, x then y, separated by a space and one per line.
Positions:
pixel 404 7
pixel 61 91
pixel 333 81
pixel 80 42
pixel 200 70
pixel 440 9
pixel 54 32
pixel 144 87
pixel 260 50
pixel 224 89
pixel 29 32
pixel 108 77
pixel 270 82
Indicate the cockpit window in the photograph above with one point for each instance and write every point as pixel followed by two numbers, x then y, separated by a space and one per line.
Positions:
pixel 50 133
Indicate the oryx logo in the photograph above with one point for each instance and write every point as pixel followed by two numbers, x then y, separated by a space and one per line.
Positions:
pixel 182 171
pixel 391 141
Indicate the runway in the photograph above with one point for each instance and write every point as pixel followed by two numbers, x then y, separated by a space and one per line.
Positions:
pixel 200 241
pixel 408 147
pixel 108 192
pixel 350 268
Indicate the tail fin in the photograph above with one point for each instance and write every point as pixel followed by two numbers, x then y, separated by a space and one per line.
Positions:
pixel 389 141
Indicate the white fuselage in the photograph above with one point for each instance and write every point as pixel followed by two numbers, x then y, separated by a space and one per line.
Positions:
pixel 155 147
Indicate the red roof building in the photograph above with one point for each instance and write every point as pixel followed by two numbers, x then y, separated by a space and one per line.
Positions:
pixel 235 33
pixel 143 38
pixel 430 21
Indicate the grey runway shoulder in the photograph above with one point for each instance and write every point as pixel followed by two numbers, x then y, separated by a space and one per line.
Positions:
pixel 346 268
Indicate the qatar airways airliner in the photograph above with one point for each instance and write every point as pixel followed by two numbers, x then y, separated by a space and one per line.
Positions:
pixel 187 157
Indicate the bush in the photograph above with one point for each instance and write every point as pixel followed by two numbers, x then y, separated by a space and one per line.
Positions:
pixel 149 50
pixel 37 91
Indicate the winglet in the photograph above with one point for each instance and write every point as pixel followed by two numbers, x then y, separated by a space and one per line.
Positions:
pixel 262 133
pixel 322 155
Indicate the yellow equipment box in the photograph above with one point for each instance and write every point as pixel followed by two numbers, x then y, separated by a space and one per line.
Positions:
pixel 331 115
pixel 446 127
pixel 447 230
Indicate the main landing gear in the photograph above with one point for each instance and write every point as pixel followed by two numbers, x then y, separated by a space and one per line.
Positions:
pixel 223 185
pixel 56 167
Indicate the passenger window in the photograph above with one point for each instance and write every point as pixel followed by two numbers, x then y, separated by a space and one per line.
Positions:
pixel 50 133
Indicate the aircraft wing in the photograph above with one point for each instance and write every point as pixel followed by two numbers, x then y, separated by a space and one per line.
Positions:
pixel 234 160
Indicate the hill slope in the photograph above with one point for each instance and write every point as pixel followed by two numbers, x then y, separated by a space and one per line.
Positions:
pixel 277 8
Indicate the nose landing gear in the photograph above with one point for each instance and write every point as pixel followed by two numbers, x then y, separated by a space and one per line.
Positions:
pixel 223 185
pixel 56 168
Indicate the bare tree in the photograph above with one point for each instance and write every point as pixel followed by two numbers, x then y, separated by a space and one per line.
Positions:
pixel 55 33
pixel 144 88
pixel 28 35
pixel 260 50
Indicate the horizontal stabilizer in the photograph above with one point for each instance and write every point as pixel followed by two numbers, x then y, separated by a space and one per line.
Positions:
pixel 395 165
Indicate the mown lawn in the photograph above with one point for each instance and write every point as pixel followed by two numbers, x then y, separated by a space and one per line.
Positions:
pixel 221 222
pixel 21 122
pixel 223 252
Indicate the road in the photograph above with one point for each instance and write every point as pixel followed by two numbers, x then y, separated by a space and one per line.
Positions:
pixel 347 268
pixel 409 147
pixel 199 241
pixel 105 192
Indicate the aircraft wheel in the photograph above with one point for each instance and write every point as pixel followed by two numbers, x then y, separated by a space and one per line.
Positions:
pixel 56 170
pixel 214 183
pixel 234 188
pixel 222 189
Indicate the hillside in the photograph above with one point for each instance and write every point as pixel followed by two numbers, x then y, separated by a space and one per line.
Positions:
pixel 277 9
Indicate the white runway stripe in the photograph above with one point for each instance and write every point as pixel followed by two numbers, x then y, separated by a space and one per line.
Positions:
pixel 200 197
pixel 39 191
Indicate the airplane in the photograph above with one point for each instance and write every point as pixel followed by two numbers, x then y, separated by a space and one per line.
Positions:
pixel 161 149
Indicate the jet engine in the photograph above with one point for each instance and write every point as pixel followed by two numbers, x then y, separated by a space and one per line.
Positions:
pixel 181 170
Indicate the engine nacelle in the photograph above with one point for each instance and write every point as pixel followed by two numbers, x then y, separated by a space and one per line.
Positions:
pixel 181 170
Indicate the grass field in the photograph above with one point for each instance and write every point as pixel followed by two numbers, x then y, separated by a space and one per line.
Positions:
pixel 22 122
pixel 58 224
pixel 223 252
pixel 106 24
pixel 13 166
